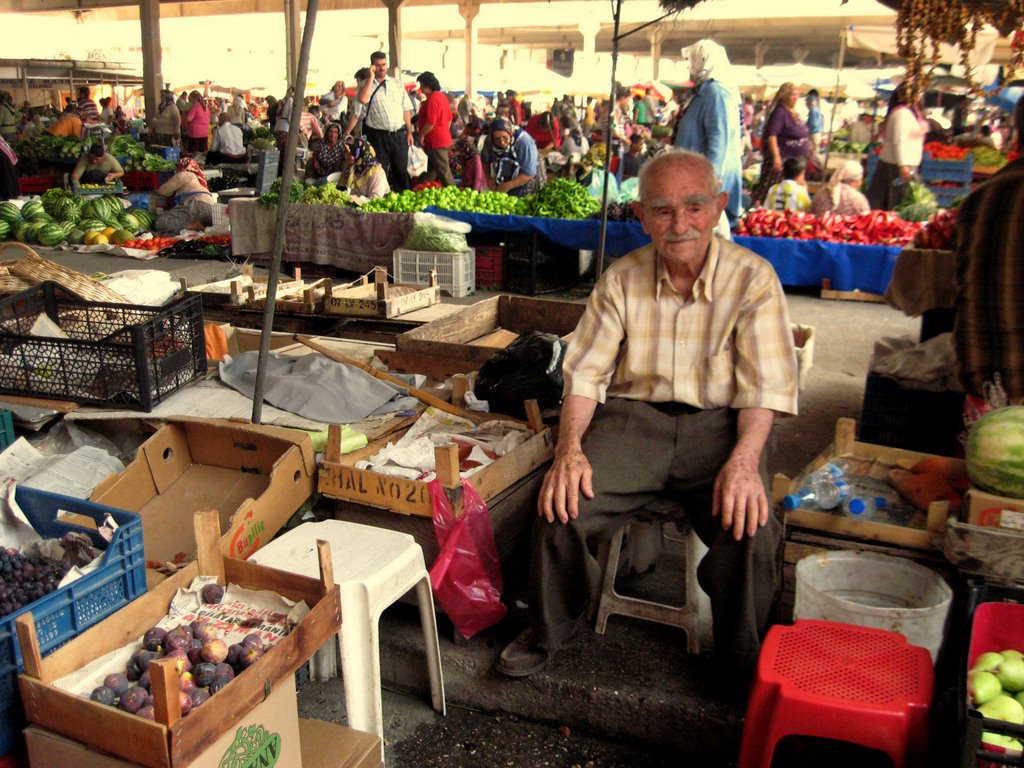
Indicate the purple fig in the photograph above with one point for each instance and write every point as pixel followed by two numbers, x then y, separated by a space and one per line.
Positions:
pixel 195 651
pixel 212 593
pixel 177 640
pixel 199 697
pixel 133 699
pixel 204 672
pixel 225 670
pixel 186 703
pixel 131 672
pixel 180 660
pixel 103 695
pixel 253 640
pixel 214 651
pixel 147 712
pixel 217 684
pixel 203 630
pixel 233 650
pixel 153 640
pixel 141 658
pixel 145 681
pixel 117 682
pixel 187 682
pixel 249 656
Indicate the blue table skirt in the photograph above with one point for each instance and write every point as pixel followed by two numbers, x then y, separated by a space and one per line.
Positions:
pixel 578 234
pixel 797 262
pixel 807 262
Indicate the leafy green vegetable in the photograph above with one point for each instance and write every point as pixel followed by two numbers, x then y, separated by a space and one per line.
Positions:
pixel 427 238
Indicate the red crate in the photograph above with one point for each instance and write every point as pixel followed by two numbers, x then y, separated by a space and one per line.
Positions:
pixel 140 181
pixel 33 185
pixel 490 266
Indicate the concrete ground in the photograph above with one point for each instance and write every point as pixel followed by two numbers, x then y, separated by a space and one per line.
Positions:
pixel 633 696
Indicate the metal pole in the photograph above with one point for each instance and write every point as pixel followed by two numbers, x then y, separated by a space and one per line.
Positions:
pixel 282 207
pixel 835 102
pixel 599 269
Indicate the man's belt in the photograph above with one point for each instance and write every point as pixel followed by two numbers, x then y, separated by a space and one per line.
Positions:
pixel 671 408
pixel 385 130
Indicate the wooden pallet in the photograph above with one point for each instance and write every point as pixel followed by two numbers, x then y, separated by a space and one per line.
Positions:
pixel 380 298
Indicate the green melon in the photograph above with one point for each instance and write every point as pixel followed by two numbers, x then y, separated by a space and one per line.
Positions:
pixel 50 235
pixel 76 237
pixel 130 222
pixel 32 209
pixel 21 231
pixel 5 230
pixel 9 212
pixel 92 225
pixel 995 452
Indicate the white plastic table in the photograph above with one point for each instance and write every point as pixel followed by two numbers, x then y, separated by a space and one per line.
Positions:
pixel 374 567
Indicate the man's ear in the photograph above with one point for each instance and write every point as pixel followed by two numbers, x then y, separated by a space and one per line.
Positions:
pixel 721 202
pixel 638 210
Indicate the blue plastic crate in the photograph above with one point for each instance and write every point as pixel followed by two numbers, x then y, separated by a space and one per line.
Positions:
pixel 65 613
pixel 6 429
pixel 139 199
pixel 169 153
pixel 947 170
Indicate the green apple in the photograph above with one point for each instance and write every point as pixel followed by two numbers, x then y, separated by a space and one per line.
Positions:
pixel 983 686
pixel 988 661
pixel 1003 707
pixel 994 739
pixel 1013 746
pixel 1011 674
pixel 1011 653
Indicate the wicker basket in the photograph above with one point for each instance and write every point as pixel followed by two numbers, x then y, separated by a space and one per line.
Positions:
pixel 32 269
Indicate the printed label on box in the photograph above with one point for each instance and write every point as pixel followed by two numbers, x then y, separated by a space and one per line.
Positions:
pixel 1011 519
pixel 253 746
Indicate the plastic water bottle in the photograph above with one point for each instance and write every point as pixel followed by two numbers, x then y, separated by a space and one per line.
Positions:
pixel 818 492
pixel 860 507
pixel 832 470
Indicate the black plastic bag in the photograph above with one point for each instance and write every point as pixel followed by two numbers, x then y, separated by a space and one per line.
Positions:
pixel 530 368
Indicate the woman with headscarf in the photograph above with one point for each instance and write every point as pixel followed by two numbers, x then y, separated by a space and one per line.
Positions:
pixel 842 194
pixel 711 123
pixel 120 123
pixel 511 160
pixel 903 135
pixel 465 155
pixel 197 124
pixel 784 136
pixel 328 158
pixel 367 177
pixel 193 201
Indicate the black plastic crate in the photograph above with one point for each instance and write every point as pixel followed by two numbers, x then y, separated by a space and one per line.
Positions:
pixel 913 419
pixel 114 354
pixel 534 265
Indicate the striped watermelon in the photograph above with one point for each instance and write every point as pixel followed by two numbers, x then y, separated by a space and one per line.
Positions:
pixel 9 212
pixel 5 230
pixel 32 209
pixel 995 452
pixel 51 234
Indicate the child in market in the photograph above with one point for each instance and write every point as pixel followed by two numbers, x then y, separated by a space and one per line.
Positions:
pixel 791 192
pixel 634 158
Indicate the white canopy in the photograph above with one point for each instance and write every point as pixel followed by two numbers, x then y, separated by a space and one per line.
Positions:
pixel 883 40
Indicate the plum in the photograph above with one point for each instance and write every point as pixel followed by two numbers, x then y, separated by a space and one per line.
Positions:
pixel 212 593
pixel 133 699
pixel 214 651
pixel 203 630
pixel 104 694
pixel 117 682
pixel 147 712
pixel 153 640
pixel 249 656
pixel 204 672
pixel 199 697
pixel 180 661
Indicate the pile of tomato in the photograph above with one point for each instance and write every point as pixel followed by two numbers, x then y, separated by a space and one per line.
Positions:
pixel 217 239
pixel 939 151
pixel 149 243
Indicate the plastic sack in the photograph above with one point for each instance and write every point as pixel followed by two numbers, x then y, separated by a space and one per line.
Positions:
pixel 466 576
pixel 431 232
pixel 596 187
pixel 530 368
pixel 417 164
pixel 629 190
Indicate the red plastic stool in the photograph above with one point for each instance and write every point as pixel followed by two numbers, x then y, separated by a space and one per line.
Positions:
pixel 839 681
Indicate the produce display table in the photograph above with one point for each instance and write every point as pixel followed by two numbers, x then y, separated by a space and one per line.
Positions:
pixel 808 262
pixel 580 234
pixel 322 234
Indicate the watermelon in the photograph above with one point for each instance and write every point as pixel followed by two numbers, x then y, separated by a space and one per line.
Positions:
pixel 51 235
pixel 5 230
pixel 130 222
pixel 91 225
pixel 33 229
pixel 21 231
pixel 32 209
pixel 995 452
pixel 9 212
pixel 76 236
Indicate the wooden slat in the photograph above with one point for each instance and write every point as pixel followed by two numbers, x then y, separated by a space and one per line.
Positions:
pixel 208 556
pixel 523 313
pixel 513 465
pixel 61 406
pixel 434 368
pixel 459 328
pixel 285 583
pixel 25 626
pixel 163 675
pixel 326 563
pixel 446 464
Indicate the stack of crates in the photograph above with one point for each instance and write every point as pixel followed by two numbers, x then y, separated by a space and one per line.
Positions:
pixel 489 266
pixel 534 265
pixel 956 172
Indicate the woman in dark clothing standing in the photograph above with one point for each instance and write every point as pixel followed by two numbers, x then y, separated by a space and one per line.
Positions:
pixel 785 136
pixel 8 173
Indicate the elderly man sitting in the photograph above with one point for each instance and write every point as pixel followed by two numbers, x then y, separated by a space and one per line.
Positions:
pixel 510 156
pixel 673 379
pixel 228 145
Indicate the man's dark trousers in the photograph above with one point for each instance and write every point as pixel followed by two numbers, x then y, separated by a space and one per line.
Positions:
pixel 392 148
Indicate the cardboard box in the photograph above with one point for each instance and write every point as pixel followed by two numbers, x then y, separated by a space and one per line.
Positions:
pixel 326 745
pixel 474 333
pixel 267 735
pixel 898 524
pixel 256 477
pixel 173 741
pixel 340 479
pixel 988 509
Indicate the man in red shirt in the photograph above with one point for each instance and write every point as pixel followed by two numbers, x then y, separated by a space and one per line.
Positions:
pixel 433 124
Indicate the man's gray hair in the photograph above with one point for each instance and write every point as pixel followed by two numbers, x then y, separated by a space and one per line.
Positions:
pixel 674 158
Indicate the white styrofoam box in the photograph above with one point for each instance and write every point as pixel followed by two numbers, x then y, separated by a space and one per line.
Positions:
pixel 456 272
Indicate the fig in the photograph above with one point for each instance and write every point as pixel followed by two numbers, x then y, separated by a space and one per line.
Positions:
pixel 104 695
pixel 153 640
pixel 133 699
pixel 117 682
pixel 203 630
pixel 186 703
pixel 212 593
pixel 147 712
pixel 181 661
pixel 195 651
pixel 141 658
pixel 199 697
pixel 131 672
pixel 253 640
pixel 233 650
pixel 249 656
pixel 214 651
pixel 218 683
pixel 187 682
pixel 204 672
pixel 225 670
pixel 177 640
pixel 144 681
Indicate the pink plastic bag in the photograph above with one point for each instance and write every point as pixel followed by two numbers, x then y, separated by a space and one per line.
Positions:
pixel 466 576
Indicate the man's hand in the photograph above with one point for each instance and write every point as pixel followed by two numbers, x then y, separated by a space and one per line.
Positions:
pixel 740 499
pixel 570 474
pixel 409 138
